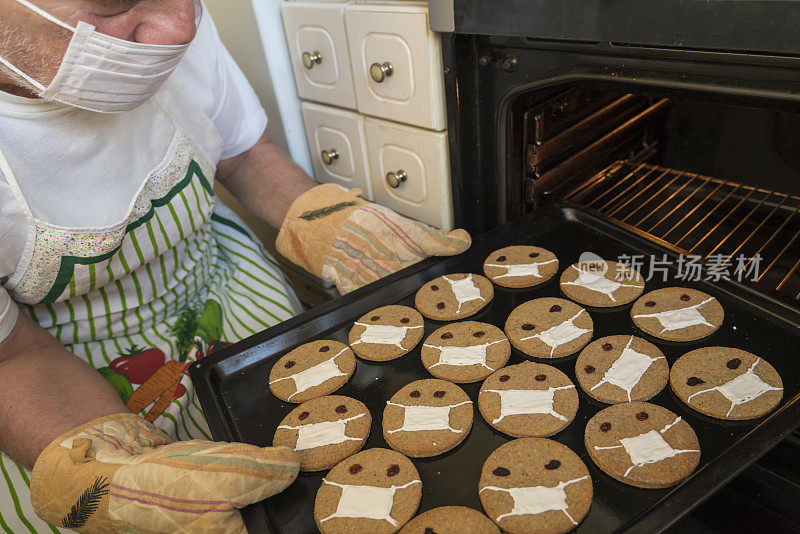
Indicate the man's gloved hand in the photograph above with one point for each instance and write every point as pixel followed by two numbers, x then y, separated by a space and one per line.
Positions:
pixel 344 239
pixel 122 473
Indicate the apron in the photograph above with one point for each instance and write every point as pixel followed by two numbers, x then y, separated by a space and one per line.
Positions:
pixel 177 278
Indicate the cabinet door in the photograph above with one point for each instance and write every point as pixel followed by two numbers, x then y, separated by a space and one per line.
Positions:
pixel 396 61
pixel 410 171
pixel 338 151
pixel 317 43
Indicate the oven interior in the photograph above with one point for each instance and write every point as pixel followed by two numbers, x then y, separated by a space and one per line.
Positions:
pixel 705 175
pixel 711 177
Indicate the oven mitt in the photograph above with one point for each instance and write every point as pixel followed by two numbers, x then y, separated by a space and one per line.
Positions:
pixel 346 240
pixel 121 473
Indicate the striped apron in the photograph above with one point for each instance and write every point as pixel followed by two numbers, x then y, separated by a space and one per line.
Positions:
pixel 176 279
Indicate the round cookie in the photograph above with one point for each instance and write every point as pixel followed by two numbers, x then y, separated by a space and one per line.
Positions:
pixel 312 370
pixel 465 352
pixel 726 383
pixel 528 399
pixel 450 520
pixel 677 314
pixel 642 444
pixel 387 333
pixel 621 368
pixel 549 327
pixel 520 266
pixel 427 417
pixel 618 285
pixel 454 296
pixel 377 490
pixel 324 431
pixel 535 485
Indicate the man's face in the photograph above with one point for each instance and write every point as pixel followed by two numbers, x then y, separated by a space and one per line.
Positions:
pixel 36 45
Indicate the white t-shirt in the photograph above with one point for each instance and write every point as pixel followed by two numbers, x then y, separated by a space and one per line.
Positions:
pixel 83 169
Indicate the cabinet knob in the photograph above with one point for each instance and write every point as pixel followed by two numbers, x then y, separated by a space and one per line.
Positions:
pixel 310 58
pixel 379 71
pixel 328 156
pixel 394 179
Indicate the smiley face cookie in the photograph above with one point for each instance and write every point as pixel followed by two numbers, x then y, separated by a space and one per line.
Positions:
pixel 520 266
pixel 616 369
pixel 549 327
pixel 465 352
pixel 642 444
pixel 618 284
pixel 454 296
pixel 427 417
pixel 377 490
pixel 312 370
pixel 386 333
pixel 451 519
pixel 528 399
pixel 324 431
pixel 535 485
pixel 726 383
pixel 678 314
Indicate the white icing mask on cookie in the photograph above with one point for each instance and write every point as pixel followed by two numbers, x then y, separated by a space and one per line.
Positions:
pixel 366 502
pixel 527 401
pixel 680 318
pixel 560 334
pixel 627 370
pixel 648 448
pixel 524 269
pixel 426 417
pixel 384 334
pixel 315 435
pixel 465 290
pixel 463 356
pixel 596 282
pixel 742 389
pixel 314 375
pixel 537 499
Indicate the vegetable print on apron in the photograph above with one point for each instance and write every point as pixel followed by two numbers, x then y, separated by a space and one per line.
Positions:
pixel 176 279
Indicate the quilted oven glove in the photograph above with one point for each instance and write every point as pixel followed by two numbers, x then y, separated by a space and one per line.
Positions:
pixel 121 474
pixel 351 242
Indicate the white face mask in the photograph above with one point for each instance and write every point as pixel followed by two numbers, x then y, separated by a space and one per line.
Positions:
pixel 463 356
pixel 384 334
pixel 595 282
pixel 680 318
pixel 314 375
pixel 648 448
pixel 524 269
pixel 366 502
pixel 627 370
pixel 560 334
pixel 741 389
pixel 105 74
pixel 537 499
pixel 465 290
pixel 527 402
pixel 315 435
pixel 426 418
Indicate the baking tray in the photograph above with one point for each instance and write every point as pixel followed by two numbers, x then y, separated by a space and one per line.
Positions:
pixel 232 384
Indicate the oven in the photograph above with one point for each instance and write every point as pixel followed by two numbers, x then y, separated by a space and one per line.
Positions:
pixel 677 122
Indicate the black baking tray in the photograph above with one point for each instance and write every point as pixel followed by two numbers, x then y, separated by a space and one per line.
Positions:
pixel 232 384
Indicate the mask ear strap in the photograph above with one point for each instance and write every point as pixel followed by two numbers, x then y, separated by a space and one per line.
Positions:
pixel 21 74
pixel 39 11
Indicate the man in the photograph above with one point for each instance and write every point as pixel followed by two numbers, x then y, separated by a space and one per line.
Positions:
pixel 116 117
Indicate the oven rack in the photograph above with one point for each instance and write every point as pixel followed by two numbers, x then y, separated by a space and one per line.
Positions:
pixel 750 233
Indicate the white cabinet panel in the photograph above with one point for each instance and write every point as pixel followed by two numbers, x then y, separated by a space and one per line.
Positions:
pixel 317 42
pixel 396 62
pixel 337 144
pixel 416 161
